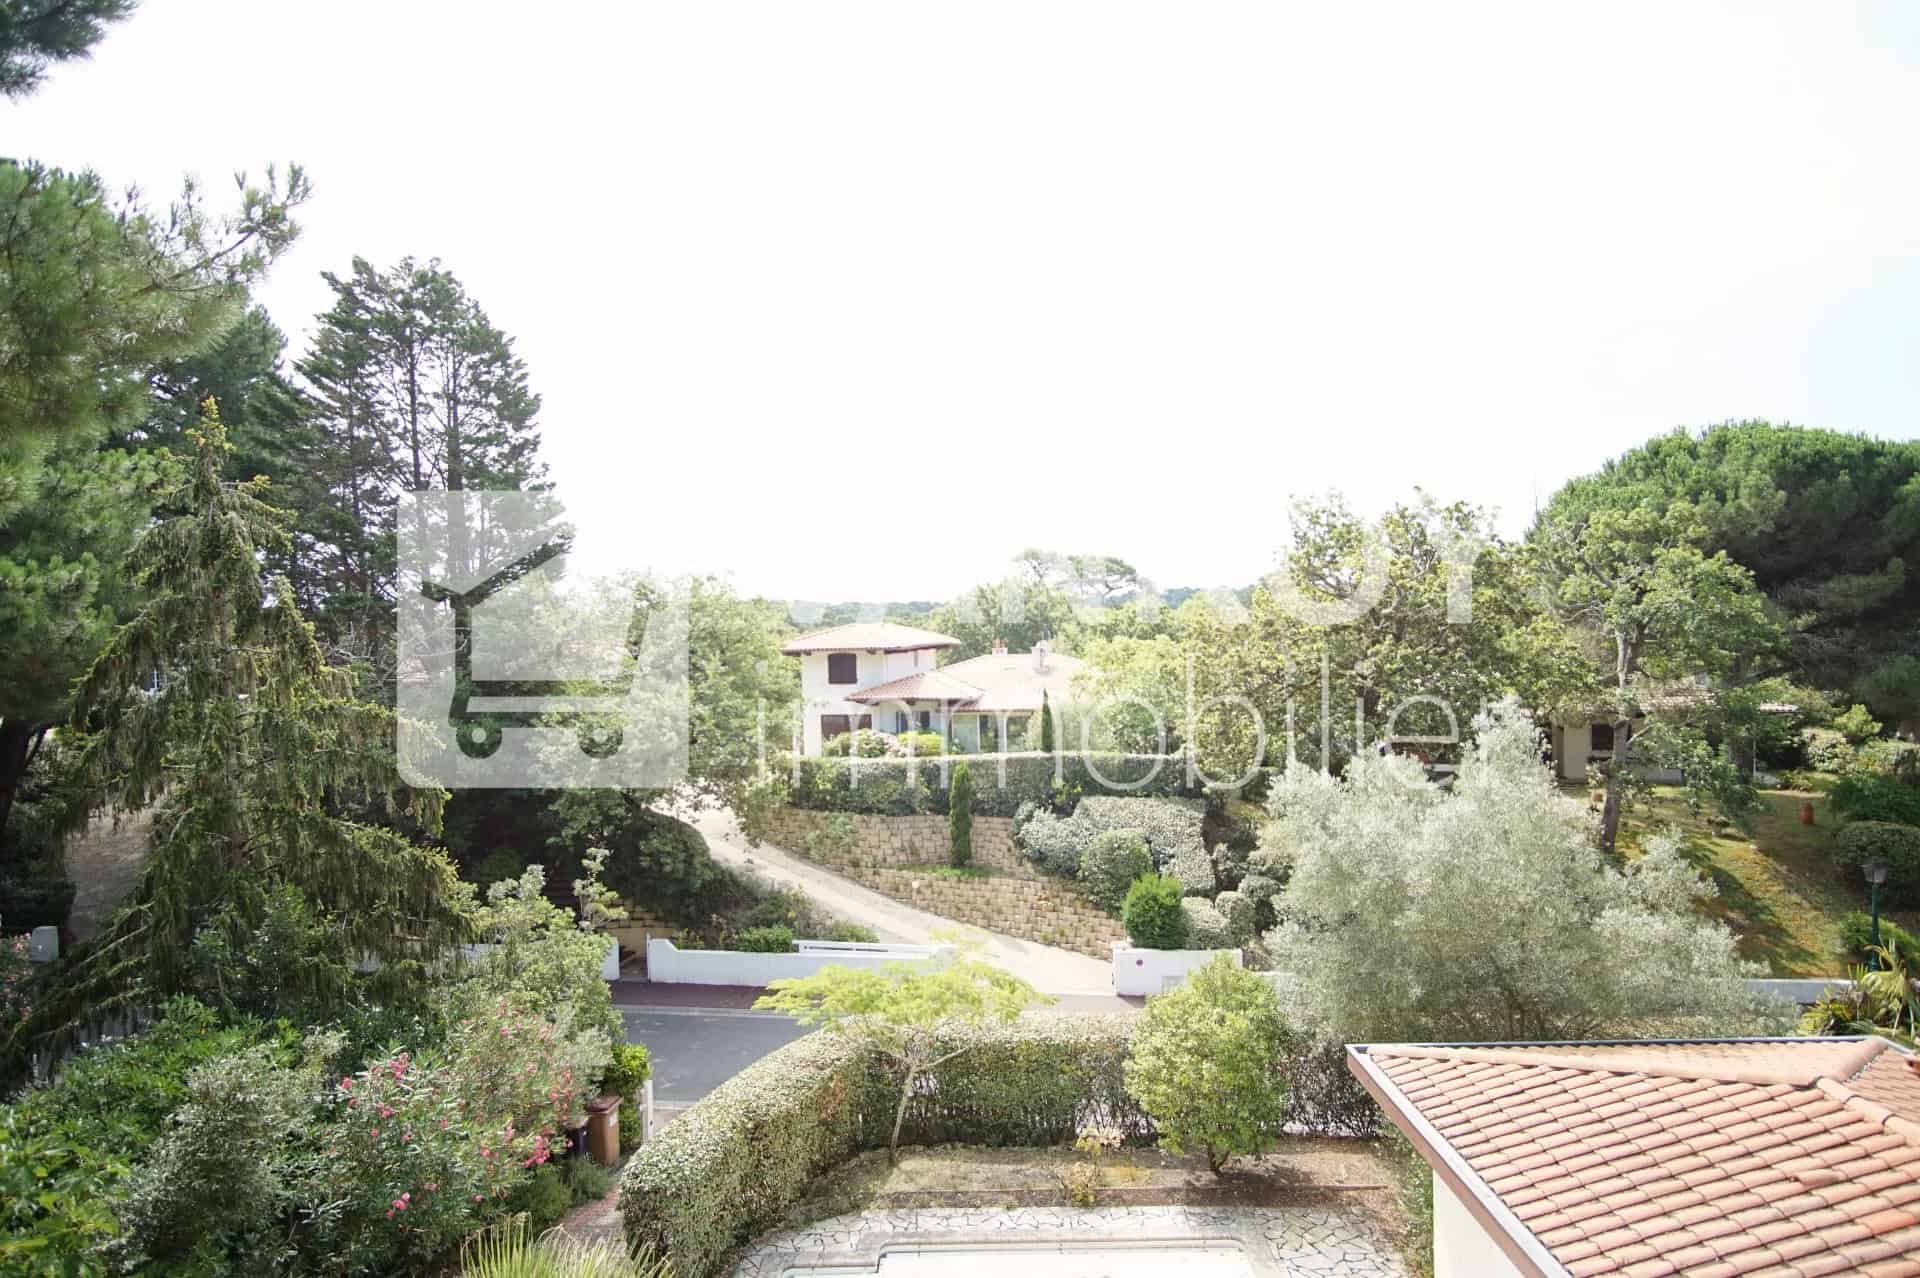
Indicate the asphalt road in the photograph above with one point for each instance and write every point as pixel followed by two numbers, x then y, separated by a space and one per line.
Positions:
pixel 696 1051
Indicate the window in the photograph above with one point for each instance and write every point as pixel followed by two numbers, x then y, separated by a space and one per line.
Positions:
pixel 925 719
pixel 1602 737
pixel 834 725
pixel 899 720
pixel 843 667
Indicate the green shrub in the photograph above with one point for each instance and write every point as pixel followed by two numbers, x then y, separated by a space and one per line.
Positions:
pixel 1208 1063
pixel 901 787
pixel 1260 888
pixel 628 1070
pixel 960 816
pixel 1856 941
pixel 764 940
pixel 544 1198
pixel 851 933
pixel 217 1184
pixel 1898 759
pixel 1856 724
pixel 499 864
pixel 1826 750
pixel 1112 862
pixel 1207 928
pixel 1152 913
pixel 1897 845
pixel 1194 868
pixel 1871 796
pixel 1237 909
pixel 1171 827
pixel 66 1150
pixel 863 743
pixel 922 744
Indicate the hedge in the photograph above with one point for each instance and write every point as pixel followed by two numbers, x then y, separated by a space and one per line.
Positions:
pixel 731 1164
pixel 901 787
pixel 728 1168
pixel 1897 845
pixel 1869 796
pixel 1171 826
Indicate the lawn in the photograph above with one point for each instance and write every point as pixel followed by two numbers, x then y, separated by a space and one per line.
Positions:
pixel 1778 889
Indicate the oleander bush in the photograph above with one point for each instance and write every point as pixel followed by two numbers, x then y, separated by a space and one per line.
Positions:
pixel 1152 913
pixel 1898 845
pixel 901 787
pixel 1111 863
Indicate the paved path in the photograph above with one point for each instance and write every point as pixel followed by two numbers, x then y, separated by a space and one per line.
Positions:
pixel 694 1052
pixel 1050 969
pixel 1070 1242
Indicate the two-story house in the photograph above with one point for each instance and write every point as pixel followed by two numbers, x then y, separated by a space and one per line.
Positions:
pixel 886 676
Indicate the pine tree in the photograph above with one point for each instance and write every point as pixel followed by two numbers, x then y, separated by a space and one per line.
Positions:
pixel 216 703
pixel 34 34
pixel 1046 724
pixel 960 815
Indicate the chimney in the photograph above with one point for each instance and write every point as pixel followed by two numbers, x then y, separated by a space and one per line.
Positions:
pixel 1040 657
pixel 999 647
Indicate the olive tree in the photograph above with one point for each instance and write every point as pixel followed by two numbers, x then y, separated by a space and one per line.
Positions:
pixel 1487 912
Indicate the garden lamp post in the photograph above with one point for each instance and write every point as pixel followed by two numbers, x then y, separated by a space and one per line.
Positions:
pixel 1876 872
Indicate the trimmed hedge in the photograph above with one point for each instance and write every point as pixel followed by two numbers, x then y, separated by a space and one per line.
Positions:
pixel 901 787
pixel 1897 845
pixel 1171 826
pixel 730 1165
pixel 1152 913
pixel 1207 928
pixel 1111 863
pixel 728 1168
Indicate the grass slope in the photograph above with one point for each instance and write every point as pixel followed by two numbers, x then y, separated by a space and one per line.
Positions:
pixel 1779 890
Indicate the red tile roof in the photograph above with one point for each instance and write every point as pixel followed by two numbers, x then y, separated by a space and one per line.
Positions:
pixel 1776 1157
pixel 868 636
pixel 925 685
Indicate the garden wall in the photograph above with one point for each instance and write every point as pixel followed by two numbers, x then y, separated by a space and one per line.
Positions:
pixel 668 964
pixel 896 840
pixel 1040 910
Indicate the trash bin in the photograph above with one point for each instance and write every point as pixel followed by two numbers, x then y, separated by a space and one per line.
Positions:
pixel 603 1130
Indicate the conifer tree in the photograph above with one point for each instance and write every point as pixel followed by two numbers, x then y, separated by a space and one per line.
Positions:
pixel 216 703
pixel 960 815
pixel 1046 724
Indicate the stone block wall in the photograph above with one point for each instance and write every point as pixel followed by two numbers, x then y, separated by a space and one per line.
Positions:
pixel 897 840
pixel 1032 909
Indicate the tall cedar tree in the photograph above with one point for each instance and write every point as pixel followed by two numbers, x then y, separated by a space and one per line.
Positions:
pixel 1046 724
pixel 411 387
pixel 216 703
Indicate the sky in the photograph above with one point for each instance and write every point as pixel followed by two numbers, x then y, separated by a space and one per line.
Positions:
pixel 857 300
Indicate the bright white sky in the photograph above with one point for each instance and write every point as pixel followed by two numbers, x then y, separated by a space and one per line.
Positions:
pixel 855 300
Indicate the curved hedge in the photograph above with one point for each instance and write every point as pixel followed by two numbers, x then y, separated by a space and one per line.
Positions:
pixel 901 787
pixel 729 1167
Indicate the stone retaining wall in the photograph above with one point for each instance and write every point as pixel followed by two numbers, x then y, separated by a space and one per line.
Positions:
pixel 1032 909
pixel 896 840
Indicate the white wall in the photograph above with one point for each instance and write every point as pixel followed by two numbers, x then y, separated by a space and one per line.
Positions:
pixel 668 964
pixel 1461 1248
pixel 1149 972
pixel 1576 740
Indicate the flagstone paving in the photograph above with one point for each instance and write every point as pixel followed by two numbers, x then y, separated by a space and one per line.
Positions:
pixel 1278 1242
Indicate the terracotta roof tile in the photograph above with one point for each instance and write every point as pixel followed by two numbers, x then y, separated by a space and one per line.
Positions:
pixel 868 636
pixel 1706 1159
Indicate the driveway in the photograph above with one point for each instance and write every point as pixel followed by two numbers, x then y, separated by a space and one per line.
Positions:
pixel 1047 968
pixel 695 1051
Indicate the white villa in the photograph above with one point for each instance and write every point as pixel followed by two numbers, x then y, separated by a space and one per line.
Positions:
pixel 884 675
